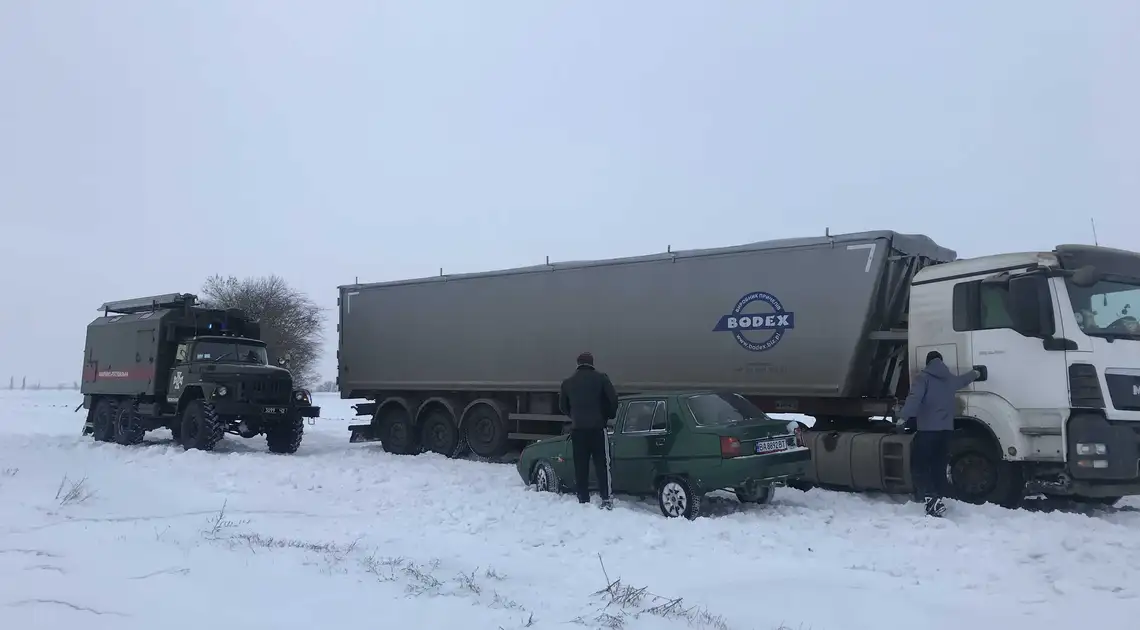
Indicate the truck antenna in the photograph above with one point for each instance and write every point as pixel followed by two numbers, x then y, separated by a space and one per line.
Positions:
pixel 1095 240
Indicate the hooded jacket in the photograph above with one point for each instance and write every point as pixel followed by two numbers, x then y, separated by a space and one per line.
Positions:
pixel 932 396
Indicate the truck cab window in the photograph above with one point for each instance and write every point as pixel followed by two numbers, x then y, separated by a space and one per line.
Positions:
pixel 181 353
pixel 981 306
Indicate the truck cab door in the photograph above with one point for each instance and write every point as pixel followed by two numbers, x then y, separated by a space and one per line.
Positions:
pixel 1026 382
pixel 178 373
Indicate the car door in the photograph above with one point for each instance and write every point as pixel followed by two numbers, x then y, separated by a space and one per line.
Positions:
pixel 638 444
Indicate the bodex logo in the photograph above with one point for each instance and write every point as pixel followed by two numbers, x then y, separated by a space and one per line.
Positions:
pixel 758 322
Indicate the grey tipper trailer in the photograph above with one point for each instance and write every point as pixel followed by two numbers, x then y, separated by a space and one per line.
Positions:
pixel 810 325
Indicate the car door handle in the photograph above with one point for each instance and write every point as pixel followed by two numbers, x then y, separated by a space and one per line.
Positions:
pixel 659 441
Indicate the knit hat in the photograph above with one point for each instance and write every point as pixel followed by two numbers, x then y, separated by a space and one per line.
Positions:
pixel 932 355
pixel 586 358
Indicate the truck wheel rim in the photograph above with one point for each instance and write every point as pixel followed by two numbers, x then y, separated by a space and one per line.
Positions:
pixel 973 475
pixel 541 479
pixel 399 433
pixel 673 498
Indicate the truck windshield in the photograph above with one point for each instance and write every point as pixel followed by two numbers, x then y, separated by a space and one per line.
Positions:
pixel 1108 308
pixel 229 352
pixel 712 410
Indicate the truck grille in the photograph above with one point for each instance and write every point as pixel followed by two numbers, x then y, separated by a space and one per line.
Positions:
pixel 266 391
pixel 1124 390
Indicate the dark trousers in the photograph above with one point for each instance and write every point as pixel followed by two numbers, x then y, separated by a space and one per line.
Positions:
pixel 929 456
pixel 591 444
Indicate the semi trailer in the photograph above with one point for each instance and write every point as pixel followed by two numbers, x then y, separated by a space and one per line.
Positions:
pixel 830 327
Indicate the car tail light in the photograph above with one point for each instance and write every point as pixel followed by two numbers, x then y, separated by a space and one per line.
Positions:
pixel 800 441
pixel 729 447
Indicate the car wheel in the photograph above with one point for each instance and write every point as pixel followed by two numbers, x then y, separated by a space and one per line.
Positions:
pixel 755 493
pixel 676 498
pixel 544 478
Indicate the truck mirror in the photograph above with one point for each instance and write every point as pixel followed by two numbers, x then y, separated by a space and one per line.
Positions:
pixel 1031 306
pixel 1085 277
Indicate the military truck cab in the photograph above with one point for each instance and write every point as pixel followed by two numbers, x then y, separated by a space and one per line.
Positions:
pixel 165 361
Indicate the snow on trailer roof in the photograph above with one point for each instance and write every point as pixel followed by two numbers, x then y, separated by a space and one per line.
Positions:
pixel 909 244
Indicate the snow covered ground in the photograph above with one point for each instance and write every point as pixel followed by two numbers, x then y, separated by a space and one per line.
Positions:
pixel 346 536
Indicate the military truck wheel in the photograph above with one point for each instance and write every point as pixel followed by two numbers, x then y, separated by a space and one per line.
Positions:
pixel 544 477
pixel 676 498
pixel 486 432
pixel 128 429
pixel 103 421
pixel 977 474
pixel 439 434
pixel 285 437
pixel 755 493
pixel 397 435
pixel 201 428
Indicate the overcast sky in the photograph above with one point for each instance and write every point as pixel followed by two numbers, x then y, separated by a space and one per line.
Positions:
pixel 146 145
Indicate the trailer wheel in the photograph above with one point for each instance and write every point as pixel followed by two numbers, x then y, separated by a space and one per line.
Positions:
pixel 201 428
pixel 128 430
pixel 977 474
pixel 397 435
pixel 103 421
pixel 285 437
pixel 439 434
pixel 486 432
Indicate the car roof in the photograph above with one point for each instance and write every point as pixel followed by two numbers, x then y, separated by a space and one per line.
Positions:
pixel 665 394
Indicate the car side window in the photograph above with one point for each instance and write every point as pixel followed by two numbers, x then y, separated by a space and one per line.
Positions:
pixel 660 419
pixel 617 417
pixel 643 416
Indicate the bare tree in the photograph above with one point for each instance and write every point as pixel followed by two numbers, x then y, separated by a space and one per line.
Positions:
pixel 290 321
pixel 327 386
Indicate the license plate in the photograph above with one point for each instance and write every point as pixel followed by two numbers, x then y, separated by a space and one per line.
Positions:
pixel 771 446
pixel 275 410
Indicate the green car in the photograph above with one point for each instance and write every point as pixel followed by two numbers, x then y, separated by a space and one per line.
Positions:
pixel 680 446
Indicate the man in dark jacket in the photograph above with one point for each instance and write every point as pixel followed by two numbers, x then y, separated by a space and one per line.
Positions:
pixel 588 397
pixel 932 405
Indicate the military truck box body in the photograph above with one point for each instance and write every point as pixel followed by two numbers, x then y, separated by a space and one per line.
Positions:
pixel 123 353
pixel 813 318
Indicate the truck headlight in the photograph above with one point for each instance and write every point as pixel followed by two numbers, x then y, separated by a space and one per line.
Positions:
pixel 222 391
pixel 301 396
pixel 1092 449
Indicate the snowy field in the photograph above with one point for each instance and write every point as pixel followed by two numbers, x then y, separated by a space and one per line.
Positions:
pixel 345 536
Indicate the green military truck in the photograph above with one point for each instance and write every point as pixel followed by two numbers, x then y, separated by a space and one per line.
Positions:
pixel 166 361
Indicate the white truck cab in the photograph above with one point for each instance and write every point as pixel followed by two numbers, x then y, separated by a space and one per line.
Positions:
pixel 1059 411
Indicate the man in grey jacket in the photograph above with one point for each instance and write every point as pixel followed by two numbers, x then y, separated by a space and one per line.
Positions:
pixel 932 406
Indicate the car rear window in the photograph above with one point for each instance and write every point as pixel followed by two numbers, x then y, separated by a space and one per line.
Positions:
pixel 713 410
